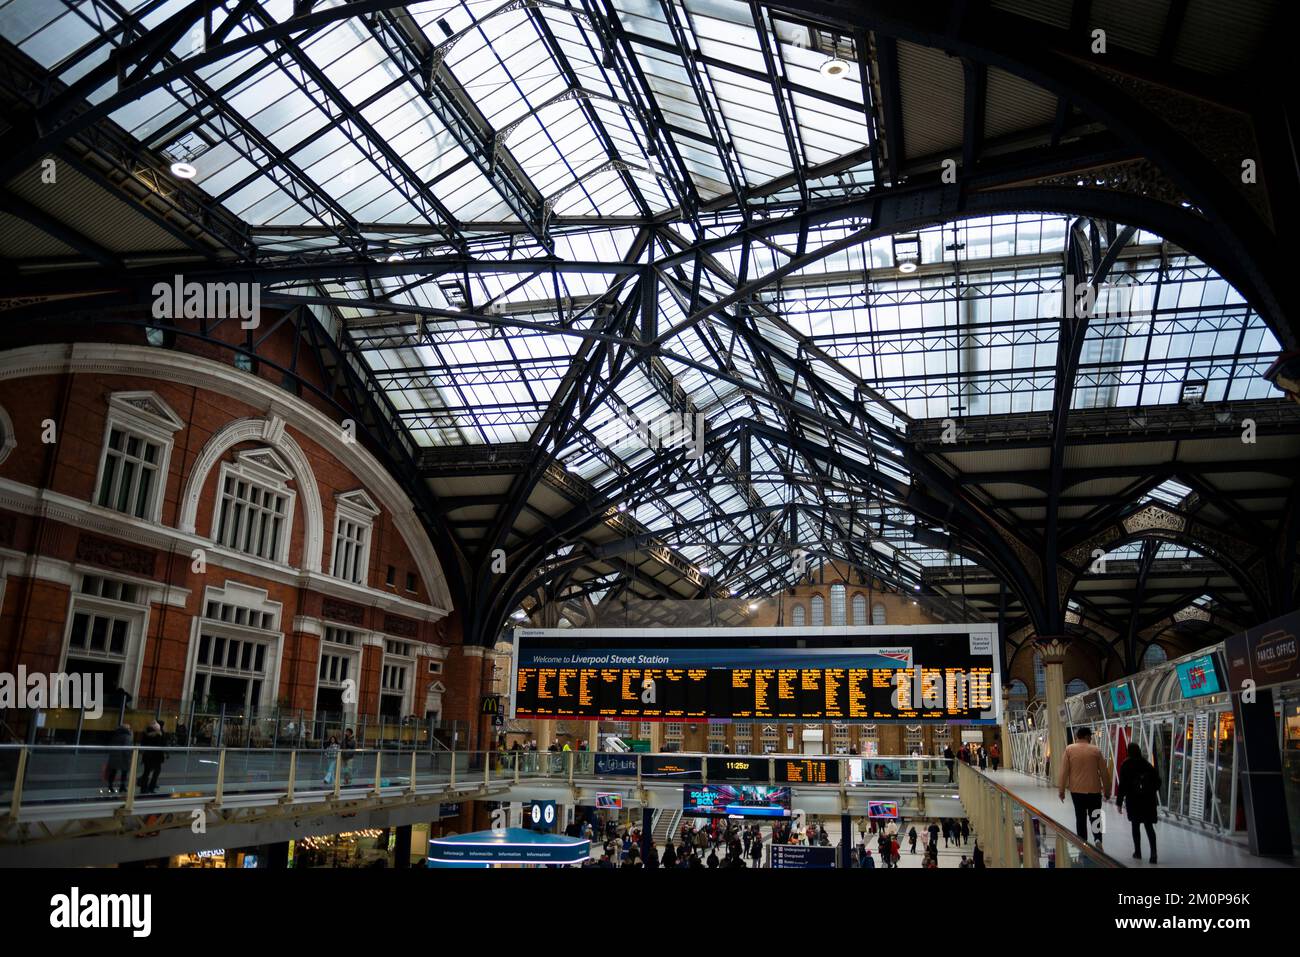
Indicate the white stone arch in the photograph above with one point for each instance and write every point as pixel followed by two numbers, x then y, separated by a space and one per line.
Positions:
pixel 271 432
pixel 99 358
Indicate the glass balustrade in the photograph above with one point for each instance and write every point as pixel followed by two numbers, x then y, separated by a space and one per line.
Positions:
pixel 62 774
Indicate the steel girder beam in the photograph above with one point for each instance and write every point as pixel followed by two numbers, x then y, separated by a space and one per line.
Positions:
pixel 1087 265
pixel 625 65
pixel 1149 549
pixel 550 433
pixel 687 45
pixel 318 87
pixel 440 91
pixel 129 171
pixel 62 113
pixel 1061 64
pixel 258 148
pixel 575 83
pixel 887 209
pixel 567 529
pixel 52 227
pixel 776 80
pixel 891 106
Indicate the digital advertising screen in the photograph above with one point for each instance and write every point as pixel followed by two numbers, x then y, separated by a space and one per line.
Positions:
pixel 872 771
pixel 736 800
pixel 1120 698
pixel 605 799
pixel 866 674
pixel 883 810
pixel 1198 677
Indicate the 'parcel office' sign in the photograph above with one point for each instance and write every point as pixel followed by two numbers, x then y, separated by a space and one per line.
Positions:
pixel 1267 654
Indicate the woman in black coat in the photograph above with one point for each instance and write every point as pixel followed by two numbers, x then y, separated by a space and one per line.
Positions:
pixel 1140 786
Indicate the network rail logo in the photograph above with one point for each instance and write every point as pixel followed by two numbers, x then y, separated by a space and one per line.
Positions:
pixel 38 691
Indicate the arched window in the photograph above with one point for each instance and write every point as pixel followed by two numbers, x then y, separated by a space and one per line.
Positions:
pixel 818 611
pixel 859 609
pixel 1154 655
pixel 1017 694
pixel 837 605
pixel 799 616
pixel 878 613
pixel 1076 686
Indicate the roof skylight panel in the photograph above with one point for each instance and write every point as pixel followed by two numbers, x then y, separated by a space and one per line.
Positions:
pixel 36 23
pixel 827 130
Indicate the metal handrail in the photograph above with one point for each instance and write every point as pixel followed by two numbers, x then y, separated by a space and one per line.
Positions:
pixel 496 767
pixel 1100 858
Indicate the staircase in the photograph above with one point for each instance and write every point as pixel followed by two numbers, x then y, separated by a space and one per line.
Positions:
pixel 667 824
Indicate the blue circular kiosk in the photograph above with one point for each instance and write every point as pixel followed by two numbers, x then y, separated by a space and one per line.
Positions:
pixel 510 845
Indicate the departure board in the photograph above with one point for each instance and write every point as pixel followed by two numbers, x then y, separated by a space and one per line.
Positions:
pixel 807 771
pixel 916 674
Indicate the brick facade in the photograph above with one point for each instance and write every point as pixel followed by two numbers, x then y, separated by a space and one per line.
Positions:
pixel 56 536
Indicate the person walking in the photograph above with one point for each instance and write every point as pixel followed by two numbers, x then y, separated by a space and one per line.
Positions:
pixel 979 856
pixel 670 855
pixel 1083 773
pixel 119 760
pixel 965 830
pixel 349 751
pixel 1139 785
pixel 948 760
pixel 331 755
pixel 934 835
pixel 152 758
pixel 911 837
pixel 995 755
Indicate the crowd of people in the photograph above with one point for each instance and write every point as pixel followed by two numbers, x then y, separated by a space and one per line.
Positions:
pixel 975 755
pixel 888 839
pixel 697 846
pixel 722 843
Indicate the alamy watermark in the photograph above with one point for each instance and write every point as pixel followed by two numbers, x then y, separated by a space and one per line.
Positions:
pixel 38 691
pixel 179 299
pixel 1108 300
pixel 670 430
pixel 75 911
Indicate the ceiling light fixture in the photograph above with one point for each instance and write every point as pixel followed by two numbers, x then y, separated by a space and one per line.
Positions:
pixel 184 170
pixel 834 68
pixel 907 252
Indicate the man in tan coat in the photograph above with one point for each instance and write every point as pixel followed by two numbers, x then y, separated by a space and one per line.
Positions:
pixel 1083 772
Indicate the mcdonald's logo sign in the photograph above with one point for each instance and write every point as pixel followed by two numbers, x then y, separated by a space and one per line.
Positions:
pixel 491 704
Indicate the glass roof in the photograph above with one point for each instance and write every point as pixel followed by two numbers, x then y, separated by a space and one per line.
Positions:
pixel 553 169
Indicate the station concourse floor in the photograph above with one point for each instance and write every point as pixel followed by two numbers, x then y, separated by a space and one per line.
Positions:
pixel 1177 846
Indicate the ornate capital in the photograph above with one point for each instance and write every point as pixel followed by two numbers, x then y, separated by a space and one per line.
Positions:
pixel 1052 648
